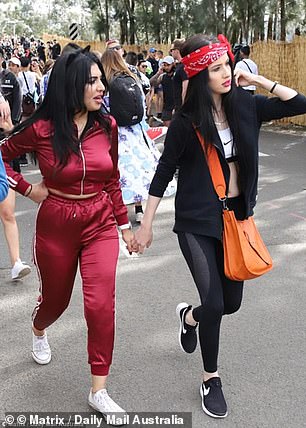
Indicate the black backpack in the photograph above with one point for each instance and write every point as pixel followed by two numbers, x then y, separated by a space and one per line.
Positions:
pixel 125 100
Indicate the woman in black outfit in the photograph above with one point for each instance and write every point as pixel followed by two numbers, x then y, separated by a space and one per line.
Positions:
pixel 228 118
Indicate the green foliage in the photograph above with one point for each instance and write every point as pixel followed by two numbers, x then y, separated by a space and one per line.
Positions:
pixel 153 21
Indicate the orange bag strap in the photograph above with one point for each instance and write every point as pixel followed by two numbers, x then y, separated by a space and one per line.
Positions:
pixel 215 169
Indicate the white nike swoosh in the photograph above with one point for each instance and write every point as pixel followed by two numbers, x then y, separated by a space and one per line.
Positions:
pixel 206 391
pixel 184 329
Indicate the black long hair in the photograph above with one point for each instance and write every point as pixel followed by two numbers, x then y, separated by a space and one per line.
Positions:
pixel 64 98
pixel 199 104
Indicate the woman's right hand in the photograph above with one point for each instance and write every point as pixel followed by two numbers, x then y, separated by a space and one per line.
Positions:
pixel 144 237
pixel 39 192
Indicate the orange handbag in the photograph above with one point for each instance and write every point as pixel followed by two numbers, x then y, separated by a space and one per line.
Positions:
pixel 245 254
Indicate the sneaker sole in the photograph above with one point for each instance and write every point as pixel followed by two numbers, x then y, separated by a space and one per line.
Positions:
pixel 41 362
pixel 92 405
pixel 207 411
pixel 179 307
pixel 24 272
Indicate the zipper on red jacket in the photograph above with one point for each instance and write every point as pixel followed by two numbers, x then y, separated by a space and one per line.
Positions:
pixel 84 168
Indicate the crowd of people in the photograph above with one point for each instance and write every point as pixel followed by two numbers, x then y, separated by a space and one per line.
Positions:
pixel 87 128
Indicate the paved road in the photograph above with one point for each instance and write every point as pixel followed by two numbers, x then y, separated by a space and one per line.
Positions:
pixel 263 347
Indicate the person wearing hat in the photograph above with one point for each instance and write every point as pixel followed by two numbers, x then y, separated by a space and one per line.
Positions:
pixel 180 79
pixel 14 65
pixel 164 76
pixel 246 64
pixel 152 60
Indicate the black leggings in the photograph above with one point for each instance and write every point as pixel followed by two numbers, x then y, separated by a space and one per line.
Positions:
pixel 218 294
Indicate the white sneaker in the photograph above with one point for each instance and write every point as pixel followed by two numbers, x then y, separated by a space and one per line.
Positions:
pixel 41 351
pixel 139 217
pixel 19 270
pixel 113 414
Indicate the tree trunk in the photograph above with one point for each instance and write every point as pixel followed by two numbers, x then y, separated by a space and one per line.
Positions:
pixel 106 20
pixel 145 21
pixel 270 26
pixel 283 20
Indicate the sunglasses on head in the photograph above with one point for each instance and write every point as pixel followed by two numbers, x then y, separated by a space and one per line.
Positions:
pixel 116 48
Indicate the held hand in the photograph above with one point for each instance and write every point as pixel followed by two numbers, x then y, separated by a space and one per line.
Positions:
pixel 244 78
pixel 144 237
pixel 39 192
pixel 129 238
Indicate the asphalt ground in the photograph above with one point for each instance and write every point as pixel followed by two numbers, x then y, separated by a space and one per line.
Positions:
pixel 262 350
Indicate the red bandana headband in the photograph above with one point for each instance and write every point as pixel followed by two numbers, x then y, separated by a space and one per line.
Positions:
pixel 201 58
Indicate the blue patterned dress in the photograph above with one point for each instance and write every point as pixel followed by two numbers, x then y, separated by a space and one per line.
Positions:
pixel 138 160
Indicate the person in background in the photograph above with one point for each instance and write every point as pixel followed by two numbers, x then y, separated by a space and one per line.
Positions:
pixel 138 157
pixel 35 68
pixel 11 91
pixel 80 207
pixel 152 103
pixel 14 66
pixel 164 77
pixel 229 119
pixel 45 77
pixel 247 64
pixel 114 44
pixel 145 81
pixel 55 49
pixel 180 78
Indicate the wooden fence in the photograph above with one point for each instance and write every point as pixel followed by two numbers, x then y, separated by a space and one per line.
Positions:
pixel 286 63
pixel 281 61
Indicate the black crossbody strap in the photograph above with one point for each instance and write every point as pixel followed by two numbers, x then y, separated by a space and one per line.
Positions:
pixel 247 65
pixel 26 82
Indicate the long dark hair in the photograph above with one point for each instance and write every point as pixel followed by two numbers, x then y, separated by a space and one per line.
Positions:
pixel 199 104
pixel 64 98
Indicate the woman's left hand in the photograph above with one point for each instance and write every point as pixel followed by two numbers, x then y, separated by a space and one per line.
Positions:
pixel 244 78
pixel 129 238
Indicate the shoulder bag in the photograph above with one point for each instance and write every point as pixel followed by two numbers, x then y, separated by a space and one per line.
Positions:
pixel 245 254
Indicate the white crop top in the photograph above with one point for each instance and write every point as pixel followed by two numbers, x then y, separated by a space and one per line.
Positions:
pixel 226 138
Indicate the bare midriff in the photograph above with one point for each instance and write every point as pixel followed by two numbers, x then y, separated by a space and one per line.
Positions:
pixel 69 196
pixel 233 188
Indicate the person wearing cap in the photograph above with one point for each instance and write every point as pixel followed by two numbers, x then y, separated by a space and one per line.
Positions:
pixel 180 79
pixel 164 76
pixel 247 64
pixel 10 88
pixel 14 65
pixel 11 91
pixel 152 60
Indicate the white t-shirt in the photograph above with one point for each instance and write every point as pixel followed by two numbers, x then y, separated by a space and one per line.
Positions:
pixel 250 66
pixel 31 79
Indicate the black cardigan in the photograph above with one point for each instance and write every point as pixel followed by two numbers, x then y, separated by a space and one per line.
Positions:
pixel 197 208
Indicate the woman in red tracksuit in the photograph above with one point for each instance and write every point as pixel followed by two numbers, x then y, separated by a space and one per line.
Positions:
pixel 80 206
